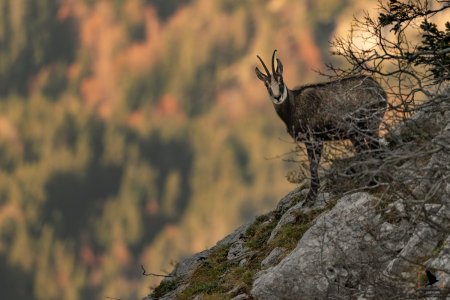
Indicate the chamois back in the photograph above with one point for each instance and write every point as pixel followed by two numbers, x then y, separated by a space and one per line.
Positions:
pixel 344 106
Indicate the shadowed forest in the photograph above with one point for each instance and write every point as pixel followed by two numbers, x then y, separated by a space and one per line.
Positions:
pixel 135 132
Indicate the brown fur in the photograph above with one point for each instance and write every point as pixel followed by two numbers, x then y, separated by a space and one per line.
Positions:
pixel 335 110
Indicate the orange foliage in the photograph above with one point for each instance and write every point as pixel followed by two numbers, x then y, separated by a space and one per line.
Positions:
pixel 110 54
pixel 10 211
pixel 8 131
pixel 231 102
pixel 73 72
pixel 95 277
pixel 101 35
pixel 63 280
pixel 140 56
pixel 134 9
pixel 121 253
pixel 171 231
pixel 87 255
pixel 135 119
pixel 152 207
pixel 91 94
pixel 65 11
pixel 308 50
pixel 168 107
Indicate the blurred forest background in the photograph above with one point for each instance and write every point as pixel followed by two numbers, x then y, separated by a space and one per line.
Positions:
pixel 134 132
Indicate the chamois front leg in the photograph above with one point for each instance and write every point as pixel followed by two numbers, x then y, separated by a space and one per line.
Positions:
pixel 314 150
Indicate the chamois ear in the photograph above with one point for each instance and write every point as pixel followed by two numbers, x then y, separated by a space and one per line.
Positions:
pixel 260 75
pixel 279 67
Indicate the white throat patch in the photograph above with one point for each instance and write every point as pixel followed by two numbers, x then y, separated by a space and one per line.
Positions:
pixel 282 98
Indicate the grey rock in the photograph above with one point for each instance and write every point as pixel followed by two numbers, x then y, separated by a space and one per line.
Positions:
pixel 243 262
pixel 235 235
pixel 273 256
pixel 237 250
pixel 393 237
pixel 442 265
pixel 237 291
pixel 289 217
pixel 421 243
pixel 183 269
pixel 398 208
pixel 241 297
pixel 437 167
pixel 331 245
pixel 288 201
pixel 189 264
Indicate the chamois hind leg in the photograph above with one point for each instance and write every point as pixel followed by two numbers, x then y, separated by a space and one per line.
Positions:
pixel 314 150
pixel 374 143
pixel 373 130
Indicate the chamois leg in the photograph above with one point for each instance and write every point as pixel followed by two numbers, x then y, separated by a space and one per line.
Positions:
pixel 314 150
pixel 373 138
pixel 358 140
pixel 359 143
pixel 369 153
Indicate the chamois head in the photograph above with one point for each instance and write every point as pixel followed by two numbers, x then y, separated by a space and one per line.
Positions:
pixel 274 82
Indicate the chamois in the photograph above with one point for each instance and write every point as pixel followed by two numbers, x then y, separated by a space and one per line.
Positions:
pixel 349 108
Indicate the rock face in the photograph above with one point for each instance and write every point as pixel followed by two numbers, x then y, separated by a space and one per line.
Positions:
pixel 375 244
pixel 325 256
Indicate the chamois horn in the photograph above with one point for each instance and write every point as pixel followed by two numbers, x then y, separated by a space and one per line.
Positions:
pixel 273 62
pixel 264 65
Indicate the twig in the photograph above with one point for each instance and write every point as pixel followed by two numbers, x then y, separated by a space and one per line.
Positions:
pixel 144 272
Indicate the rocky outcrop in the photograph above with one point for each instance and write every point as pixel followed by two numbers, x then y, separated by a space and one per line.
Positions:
pixel 330 254
pixel 370 244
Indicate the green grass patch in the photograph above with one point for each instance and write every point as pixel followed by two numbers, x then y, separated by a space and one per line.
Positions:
pixel 289 235
pixel 163 288
pixel 259 233
pixel 207 278
pixel 216 276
